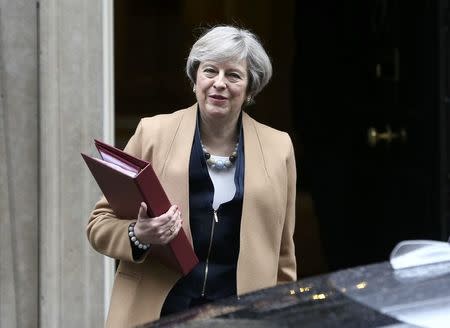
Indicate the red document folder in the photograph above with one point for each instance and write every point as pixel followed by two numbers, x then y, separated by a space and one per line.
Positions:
pixel 125 185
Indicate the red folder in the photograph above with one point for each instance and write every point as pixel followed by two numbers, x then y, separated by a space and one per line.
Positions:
pixel 125 185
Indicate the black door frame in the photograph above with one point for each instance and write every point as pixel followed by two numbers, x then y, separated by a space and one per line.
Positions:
pixel 444 117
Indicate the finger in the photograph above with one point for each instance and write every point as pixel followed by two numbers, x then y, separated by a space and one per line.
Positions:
pixel 166 217
pixel 172 210
pixel 168 224
pixel 175 232
pixel 164 230
pixel 169 218
pixel 143 211
pixel 176 227
pixel 165 237
pixel 171 228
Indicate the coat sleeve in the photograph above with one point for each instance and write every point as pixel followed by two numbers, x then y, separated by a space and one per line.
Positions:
pixel 287 267
pixel 107 233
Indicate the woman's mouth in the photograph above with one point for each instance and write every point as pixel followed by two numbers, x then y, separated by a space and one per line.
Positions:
pixel 218 97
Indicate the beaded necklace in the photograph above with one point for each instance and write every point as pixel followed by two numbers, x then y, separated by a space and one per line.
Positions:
pixel 218 164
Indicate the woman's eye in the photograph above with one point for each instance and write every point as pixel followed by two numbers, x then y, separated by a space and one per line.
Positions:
pixel 209 71
pixel 234 77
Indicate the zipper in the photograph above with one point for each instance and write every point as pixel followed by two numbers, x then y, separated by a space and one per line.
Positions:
pixel 214 221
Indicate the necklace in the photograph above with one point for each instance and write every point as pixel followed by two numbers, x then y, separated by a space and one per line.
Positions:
pixel 219 164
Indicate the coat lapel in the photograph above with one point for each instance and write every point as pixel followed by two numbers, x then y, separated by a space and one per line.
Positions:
pixel 175 173
pixel 257 210
pixel 256 176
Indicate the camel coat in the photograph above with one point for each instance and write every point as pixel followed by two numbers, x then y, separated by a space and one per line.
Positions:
pixel 266 255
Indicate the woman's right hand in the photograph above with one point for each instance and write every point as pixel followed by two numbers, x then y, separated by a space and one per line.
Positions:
pixel 158 230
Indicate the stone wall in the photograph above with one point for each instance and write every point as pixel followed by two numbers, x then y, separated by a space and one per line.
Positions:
pixel 51 84
pixel 19 169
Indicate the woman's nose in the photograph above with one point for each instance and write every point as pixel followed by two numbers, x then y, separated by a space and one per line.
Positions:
pixel 219 82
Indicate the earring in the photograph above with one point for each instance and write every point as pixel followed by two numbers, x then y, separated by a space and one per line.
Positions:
pixel 249 100
pixel 193 89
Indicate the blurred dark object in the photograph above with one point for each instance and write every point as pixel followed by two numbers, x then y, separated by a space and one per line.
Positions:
pixel 367 296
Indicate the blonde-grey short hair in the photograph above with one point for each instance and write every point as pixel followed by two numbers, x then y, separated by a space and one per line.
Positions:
pixel 224 43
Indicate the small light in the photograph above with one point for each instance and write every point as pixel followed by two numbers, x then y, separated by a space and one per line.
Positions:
pixel 319 296
pixel 361 285
pixel 304 289
pixel 292 292
pixel 343 290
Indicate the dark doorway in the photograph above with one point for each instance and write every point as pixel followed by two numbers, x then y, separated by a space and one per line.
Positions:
pixel 367 110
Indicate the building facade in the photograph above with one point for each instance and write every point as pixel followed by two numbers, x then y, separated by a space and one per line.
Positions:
pixel 54 79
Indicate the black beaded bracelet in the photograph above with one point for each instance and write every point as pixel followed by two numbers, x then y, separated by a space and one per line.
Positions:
pixel 134 239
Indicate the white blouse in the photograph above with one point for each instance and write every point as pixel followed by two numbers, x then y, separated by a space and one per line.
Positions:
pixel 223 181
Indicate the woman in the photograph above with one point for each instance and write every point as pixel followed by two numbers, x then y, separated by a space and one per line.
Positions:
pixel 233 183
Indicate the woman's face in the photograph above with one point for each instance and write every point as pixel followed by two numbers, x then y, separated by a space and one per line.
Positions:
pixel 221 88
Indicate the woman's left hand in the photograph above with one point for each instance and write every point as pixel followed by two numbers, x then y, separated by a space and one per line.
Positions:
pixel 158 230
